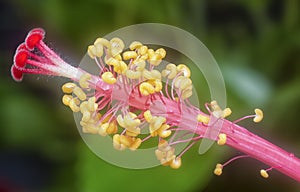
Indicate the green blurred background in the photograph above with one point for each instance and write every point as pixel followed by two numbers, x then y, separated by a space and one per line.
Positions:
pixel 255 42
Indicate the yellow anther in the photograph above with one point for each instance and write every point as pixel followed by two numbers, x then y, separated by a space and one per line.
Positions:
pixel 83 106
pixel 178 81
pixel 140 64
pixel 150 52
pixel 148 116
pixel 103 128
pixel 264 173
pixel 117 142
pixel 162 52
pixel 135 45
pixel 112 128
pixel 66 99
pixel 68 87
pixel 112 61
pixel 146 88
pixel 170 72
pixel 143 50
pixel 117 46
pixel 136 143
pixel 163 132
pixel 259 115
pixel 91 51
pixel 203 119
pixel 156 123
pixel 73 104
pixel 121 67
pixel 79 93
pixel 133 133
pixel 155 59
pixel 98 50
pixel 131 121
pixel 90 128
pixel 86 115
pixel 92 105
pixel 103 42
pixel 118 57
pixel 157 85
pixel 222 139
pixel 183 68
pixel 121 122
pixel 125 140
pixel 185 82
pixel 129 55
pixel 218 169
pixel 186 93
pixel 226 112
pixel 108 77
pixel 133 74
pixel 176 163
pixel 154 74
pixel 83 81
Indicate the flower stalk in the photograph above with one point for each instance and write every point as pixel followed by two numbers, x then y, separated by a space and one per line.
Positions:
pixel 131 96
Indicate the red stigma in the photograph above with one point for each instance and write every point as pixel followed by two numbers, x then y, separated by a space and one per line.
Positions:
pixel 16 73
pixel 34 36
pixel 20 59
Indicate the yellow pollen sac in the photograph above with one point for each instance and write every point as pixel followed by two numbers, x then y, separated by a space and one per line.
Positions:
pixel 258 115
pixel 155 59
pixel 86 115
pixel 91 105
pixel 143 50
pixel 140 64
pixel 92 51
pixel 108 77
pixel 66 99
pixel 79 93
pixel 137 142
pixel 117 46
pixel 73 104
pixel 117 142
pixel 222 139
pixel 156 123
pixel 121 67
pixel 176 163
pixel 133 74
pixel 102 129
pixel 112 61
pixel 218 169
pixel 264 173
pixel 186 82
pixel 226 112
pixel 162 52
pixel 103 42
pixel 146 88
pixel 98 50
pixel 68 87
pixel 129 55
pixel 150 52
pixel 186 93
pixel 83 81
pixel 147 116
pixel 157 85
pixel 130 121
pixel 183 68
pixel 203 119
pixel 170 72
pixel 112 128
pixel 135 45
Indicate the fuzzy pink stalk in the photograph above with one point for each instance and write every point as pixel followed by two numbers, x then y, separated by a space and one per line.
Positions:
pixel 179 113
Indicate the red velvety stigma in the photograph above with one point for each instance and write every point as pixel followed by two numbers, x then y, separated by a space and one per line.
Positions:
pixel 22 46
pixel 20 58
pixel 34 36
pixel 16 73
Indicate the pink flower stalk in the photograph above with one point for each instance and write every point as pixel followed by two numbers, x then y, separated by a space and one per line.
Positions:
pixel 129 97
